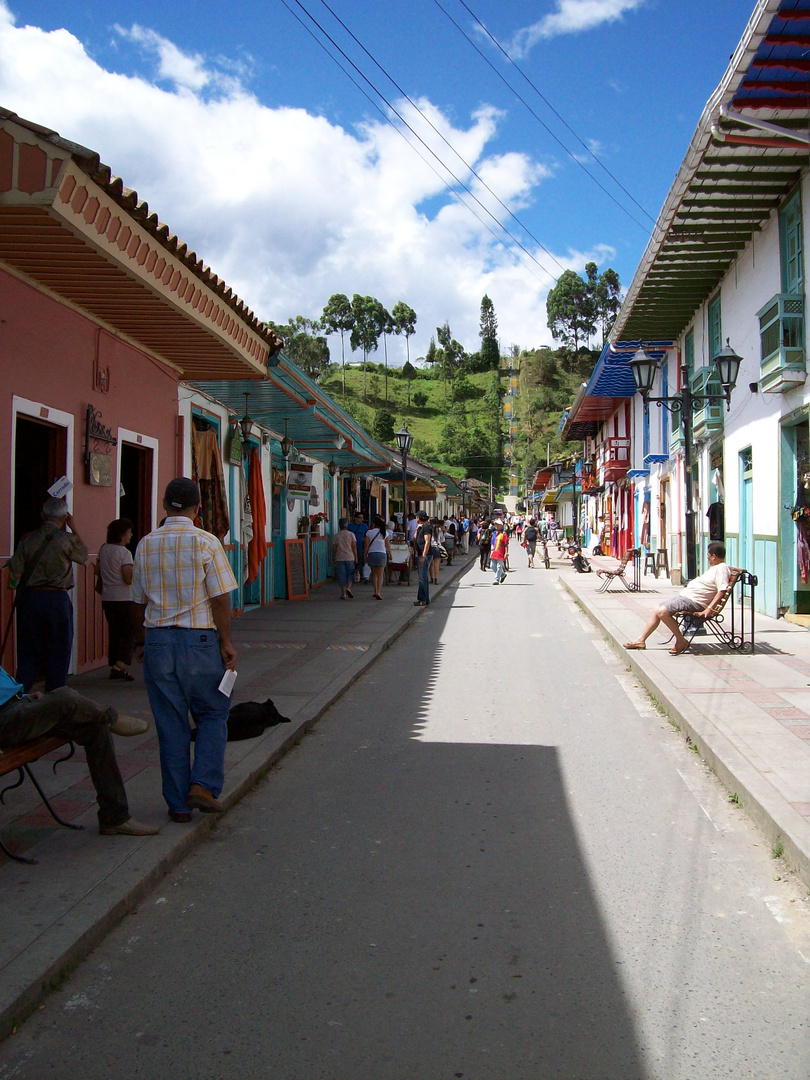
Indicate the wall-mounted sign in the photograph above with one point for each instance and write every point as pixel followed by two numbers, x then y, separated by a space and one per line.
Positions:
pixel 299 480
pixel 100 470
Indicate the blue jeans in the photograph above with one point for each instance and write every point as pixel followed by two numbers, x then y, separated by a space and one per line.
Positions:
pixel 423 592
pixel 182 670
pixel 500 569
pixel 44 637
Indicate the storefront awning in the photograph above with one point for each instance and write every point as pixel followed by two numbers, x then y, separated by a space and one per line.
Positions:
pixel 317 425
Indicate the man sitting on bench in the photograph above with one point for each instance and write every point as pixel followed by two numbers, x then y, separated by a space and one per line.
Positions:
pixel 66 714
pixel 698 598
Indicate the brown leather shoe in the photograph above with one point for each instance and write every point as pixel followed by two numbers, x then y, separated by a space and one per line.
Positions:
pixel 130 827
pixel 199 798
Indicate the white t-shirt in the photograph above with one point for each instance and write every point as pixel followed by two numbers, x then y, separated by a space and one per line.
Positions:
pixel 376 540
pixel 111 558
pixel 703 589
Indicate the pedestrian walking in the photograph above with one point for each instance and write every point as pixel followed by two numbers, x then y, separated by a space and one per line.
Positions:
pixel 530 541
pixel 41 570
pixel 436 551
pixel 359 528
pixel 484 544
pixel 345 547
pixel 377 553
pixel 114 581
pixel 499 550
pixel 182 580
pixel 424 543
pixel 450 531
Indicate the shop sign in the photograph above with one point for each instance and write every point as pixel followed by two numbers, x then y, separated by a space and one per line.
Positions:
pixel 235 451
pixel 299 480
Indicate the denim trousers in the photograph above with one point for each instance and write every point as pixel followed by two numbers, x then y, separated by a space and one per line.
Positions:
pixel 65 713
pixel 500 569
pixel 182 671
pixel 423 592
pixel 44 636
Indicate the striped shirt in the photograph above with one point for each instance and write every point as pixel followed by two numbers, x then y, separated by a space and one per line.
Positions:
pixel 178 569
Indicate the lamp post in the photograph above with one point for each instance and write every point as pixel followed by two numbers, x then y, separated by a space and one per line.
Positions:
pixel 404 441
pixel 644 369
pixel 463 484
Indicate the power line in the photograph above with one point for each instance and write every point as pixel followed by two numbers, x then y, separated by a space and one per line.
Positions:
pixel 405 123
pixel 539 119
pixel 446 141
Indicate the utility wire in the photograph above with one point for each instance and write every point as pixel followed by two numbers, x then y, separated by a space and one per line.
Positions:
pixel 540 121
pixel 421 140
pixel 447 143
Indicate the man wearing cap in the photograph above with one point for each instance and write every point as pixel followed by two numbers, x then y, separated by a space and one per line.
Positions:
pixel 424 544
pixel 41 569
pixel 182 580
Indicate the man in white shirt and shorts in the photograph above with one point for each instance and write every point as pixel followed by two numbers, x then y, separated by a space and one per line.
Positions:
pixel 698 598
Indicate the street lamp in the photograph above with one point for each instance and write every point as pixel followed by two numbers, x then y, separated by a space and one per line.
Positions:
pixel 404 441
pixel 644 368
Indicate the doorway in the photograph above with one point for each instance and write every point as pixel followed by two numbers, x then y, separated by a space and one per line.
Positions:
pixel 747 509
pixel 135 493
pixel 40 458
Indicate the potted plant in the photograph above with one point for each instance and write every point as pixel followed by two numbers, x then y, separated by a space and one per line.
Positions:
pixel 303 525
pixel 315 523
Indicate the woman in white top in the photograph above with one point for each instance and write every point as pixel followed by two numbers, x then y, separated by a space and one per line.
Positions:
pixel 114 572
pixel 377 552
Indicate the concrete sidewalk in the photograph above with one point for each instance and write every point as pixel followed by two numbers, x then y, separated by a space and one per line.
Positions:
pixel 303 655
pixel 747 715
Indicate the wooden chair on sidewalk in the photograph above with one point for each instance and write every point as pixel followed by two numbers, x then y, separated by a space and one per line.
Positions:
pixel 715 620
pixel 620 573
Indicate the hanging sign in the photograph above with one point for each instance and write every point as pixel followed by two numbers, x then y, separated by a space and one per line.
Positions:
pixel 60 488
pixel 299 480
pixel 314 497
pixel 235 451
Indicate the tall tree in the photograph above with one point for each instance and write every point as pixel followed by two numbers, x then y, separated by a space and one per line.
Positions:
pixel 366 329
pixel 337 318
pixel 490 351
pixel 388 326
pixel 408 372
pixel 304 345
pixel 608 301
pixel 569 312
pixel 452 355
pixel 405 320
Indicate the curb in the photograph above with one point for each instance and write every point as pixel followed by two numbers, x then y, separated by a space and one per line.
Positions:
pixel 769 811
pixel 244 776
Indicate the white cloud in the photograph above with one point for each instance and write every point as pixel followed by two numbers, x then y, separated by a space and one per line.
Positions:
pixel 286 206
pixel 570 17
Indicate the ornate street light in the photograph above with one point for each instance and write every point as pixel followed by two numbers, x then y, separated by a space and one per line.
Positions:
pixel 286 442
pixel 245 424
pixel 332 468
pixel 644 368
pixel 404 442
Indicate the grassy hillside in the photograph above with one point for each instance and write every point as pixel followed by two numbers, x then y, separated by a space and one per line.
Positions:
pixel 424 421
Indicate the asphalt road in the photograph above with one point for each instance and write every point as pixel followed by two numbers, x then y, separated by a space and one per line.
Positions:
pixel 493 860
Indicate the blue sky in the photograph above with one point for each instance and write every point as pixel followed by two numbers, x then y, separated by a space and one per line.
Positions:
pixel 255 148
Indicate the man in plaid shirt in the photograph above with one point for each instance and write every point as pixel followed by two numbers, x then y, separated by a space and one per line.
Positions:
pixel 182 579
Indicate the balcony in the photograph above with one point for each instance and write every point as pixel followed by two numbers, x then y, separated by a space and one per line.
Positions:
pixel 614 459
pixel 708 418
pixel 781 333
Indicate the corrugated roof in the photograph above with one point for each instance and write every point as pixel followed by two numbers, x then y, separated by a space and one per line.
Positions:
pixel 746 155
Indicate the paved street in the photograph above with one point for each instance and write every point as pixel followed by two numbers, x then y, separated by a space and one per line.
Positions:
pixel 444 880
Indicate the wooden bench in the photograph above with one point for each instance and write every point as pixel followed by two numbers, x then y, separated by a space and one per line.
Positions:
pixel 19 759
pixel 732 632
pixel 619 573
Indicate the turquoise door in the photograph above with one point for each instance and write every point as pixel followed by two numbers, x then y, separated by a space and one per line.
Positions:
pixel 746 511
